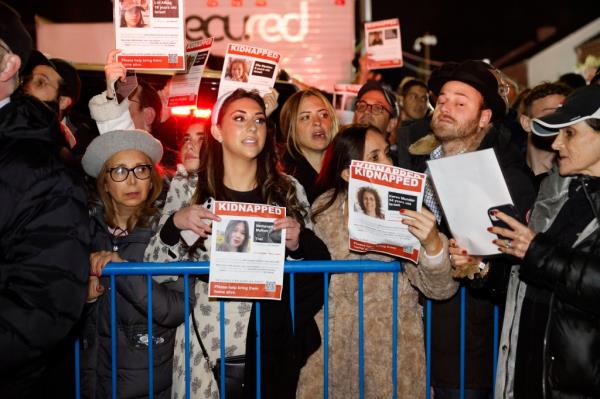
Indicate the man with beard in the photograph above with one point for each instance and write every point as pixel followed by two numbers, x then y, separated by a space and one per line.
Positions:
pixel 463 121
pixel 44 256
pixel 56 82
pixel 377 106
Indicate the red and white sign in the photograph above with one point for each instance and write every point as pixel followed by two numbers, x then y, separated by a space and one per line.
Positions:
pixel 247 254
pixel 249 68
pixel 184 86
pixel 376 194
pixel 314 37
pixel 383 44
pixel 150 34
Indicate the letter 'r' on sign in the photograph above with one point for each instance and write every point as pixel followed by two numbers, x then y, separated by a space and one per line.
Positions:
pixel 212 3
pixel 340 2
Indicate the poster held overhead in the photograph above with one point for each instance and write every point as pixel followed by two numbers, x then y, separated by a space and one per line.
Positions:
pixel 344 98
pixel 383 44
pixel 249 68
pixel 185 85
pixel 150 33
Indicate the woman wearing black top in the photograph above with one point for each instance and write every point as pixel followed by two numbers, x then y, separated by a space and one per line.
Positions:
pixel 239 163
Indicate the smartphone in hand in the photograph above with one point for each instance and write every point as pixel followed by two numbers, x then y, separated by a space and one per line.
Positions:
pixel 508 209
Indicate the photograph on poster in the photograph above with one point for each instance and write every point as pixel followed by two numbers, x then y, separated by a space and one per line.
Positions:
pixel 235 237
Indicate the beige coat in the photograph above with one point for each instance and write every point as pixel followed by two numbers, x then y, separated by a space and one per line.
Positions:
pixel 433 280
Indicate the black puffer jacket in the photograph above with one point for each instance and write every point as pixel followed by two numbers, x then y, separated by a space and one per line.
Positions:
pixel 44 246
pixel 132 330
pixel 572 341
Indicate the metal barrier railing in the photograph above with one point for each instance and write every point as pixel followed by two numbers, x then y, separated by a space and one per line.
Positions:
pixel 187 269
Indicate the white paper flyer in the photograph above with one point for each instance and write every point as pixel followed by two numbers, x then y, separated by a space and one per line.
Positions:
pixel 344 97
pixel 150 33
pixel 185 85
pixel 382 44
pixel 249 68
pixel 468 186
pixel 375 196
pixel 247 255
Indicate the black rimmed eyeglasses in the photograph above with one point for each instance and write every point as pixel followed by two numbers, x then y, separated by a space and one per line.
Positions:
pixel 375 109
pixel 121 173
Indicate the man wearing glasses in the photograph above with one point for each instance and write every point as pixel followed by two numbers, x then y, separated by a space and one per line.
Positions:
pixel 44 237
pixel 56 82
pixel 377 106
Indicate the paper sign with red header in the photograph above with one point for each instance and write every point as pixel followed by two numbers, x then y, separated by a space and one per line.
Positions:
pixel 183 89
pixel 249 68
pixel 376 194
pixel 383 44
pixel 150 33
pixel 247 254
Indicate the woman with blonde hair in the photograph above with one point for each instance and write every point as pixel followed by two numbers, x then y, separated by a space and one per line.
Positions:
pixel 128 182
pixel 309 122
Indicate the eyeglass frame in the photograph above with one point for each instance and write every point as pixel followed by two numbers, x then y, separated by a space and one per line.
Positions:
pixel 43 78
pixel 129 170
pixel 370 108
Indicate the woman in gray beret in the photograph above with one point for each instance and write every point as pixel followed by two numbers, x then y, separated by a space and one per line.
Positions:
pixel 128 182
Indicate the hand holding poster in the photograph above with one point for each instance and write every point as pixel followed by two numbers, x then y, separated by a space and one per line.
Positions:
pixel 247 255
pixel 383 45
pixel 247 67
pixel 185 85
pixel 376 194
pixel 150 33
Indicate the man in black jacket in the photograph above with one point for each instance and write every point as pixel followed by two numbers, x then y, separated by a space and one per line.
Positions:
pixel 44 235
pixel 468 104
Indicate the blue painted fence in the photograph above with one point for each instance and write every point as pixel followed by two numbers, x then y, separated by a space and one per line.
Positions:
pixel 186 269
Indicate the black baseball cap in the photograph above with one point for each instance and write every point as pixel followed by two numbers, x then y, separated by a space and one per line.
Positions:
pixel 582 104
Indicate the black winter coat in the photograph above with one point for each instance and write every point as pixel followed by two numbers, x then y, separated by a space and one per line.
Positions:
pixel 132 319
pixel 44 247
pixel 572 340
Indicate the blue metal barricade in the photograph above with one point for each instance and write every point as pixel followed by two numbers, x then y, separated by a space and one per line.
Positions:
pixel 187 269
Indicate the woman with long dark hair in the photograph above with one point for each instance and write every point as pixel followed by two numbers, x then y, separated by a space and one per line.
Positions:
pixel 432 277
pixel 238 163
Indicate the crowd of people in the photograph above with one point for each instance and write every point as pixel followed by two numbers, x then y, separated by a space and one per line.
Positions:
pixel 78 195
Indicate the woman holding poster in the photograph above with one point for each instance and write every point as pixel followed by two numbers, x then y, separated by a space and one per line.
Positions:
pixel 308 120
pixel 239 163
pixel 432 277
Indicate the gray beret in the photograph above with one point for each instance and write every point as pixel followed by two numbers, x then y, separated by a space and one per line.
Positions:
pixel 106 145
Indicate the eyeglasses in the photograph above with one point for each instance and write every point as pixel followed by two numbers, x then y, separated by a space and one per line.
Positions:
pixel 121 173
pixel 40 82
pixel 375 109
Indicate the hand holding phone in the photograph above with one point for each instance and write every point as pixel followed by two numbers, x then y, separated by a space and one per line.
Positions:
pixel 508 209
pixel 189 236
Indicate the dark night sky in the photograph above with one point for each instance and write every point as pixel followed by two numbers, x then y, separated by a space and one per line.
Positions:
pixel 464 29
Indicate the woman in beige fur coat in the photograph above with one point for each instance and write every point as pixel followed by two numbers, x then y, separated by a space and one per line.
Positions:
pixel 432 277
